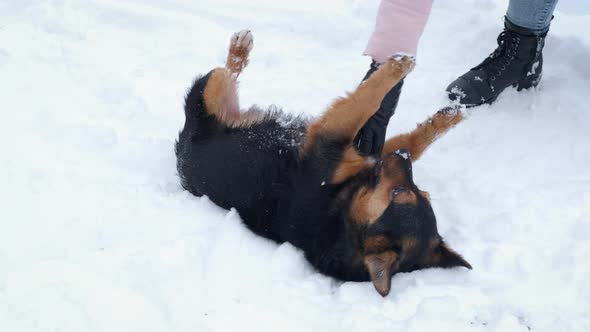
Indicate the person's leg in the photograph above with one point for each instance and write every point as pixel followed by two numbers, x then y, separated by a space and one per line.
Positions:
pixel 398 28
pixel 518 59
pixel 534 15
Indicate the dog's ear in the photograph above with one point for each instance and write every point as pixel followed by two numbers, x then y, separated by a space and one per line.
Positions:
pixel 379 267
pixel 443 256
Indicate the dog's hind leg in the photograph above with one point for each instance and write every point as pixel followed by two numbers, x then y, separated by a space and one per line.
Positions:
pixel 220 96
pixel 417 141
pixel 220 93
pixel 347 115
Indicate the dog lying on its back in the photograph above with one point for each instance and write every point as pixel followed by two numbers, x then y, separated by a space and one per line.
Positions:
pixel 355 218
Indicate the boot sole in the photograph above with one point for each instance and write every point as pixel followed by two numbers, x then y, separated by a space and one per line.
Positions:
pixel 521 85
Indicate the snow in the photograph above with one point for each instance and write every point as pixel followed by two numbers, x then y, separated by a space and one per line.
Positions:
pixel 533 70
pixel 97 235
pixel 457 91
pixel 404 154
pixel 400 55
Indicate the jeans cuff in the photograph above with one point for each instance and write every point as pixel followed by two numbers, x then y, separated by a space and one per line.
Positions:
pixel 522 30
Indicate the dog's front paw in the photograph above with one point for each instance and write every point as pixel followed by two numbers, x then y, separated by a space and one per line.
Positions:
pixel 447 117
pixel 404 63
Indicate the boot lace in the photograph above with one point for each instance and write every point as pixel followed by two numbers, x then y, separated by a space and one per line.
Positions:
pixel 502 56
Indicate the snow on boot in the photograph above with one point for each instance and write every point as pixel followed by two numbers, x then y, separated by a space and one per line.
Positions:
pixel 517 62
pixel 371 137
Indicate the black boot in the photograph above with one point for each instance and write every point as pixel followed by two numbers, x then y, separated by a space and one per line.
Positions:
pixel 517 62
pixel 371 137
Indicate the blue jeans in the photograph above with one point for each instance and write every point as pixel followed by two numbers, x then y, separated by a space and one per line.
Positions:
pixel 534 15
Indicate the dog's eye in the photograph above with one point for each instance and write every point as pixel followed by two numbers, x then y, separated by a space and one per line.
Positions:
pixel 398 190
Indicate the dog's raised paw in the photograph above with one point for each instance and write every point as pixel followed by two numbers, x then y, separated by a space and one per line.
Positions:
pixel 243 40
pixel 240 45
pixel 448 116
pixel 450 111
pixel 405 62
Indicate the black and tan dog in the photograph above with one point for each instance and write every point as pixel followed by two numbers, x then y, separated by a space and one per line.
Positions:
pixel 355 218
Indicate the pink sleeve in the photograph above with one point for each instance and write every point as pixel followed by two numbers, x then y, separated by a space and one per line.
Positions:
pixel 398 28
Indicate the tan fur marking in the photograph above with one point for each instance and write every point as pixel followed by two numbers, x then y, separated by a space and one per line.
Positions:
pixel 347 115
pixel 352 163
pixel 220 95
pixel 221 101
pixel 358 208
pixel 378 202
pixel 368 205
pixel 375 244
pixel 405 197
pixel 425 133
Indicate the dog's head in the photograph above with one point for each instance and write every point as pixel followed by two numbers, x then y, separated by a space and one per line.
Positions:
pixel 394 224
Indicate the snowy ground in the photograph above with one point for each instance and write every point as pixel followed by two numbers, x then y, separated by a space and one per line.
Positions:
pixel 97 235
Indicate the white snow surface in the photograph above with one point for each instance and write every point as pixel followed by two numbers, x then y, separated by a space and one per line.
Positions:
pixel 96 233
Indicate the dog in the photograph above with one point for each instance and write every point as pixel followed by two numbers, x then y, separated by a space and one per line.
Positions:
pixel 356 218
